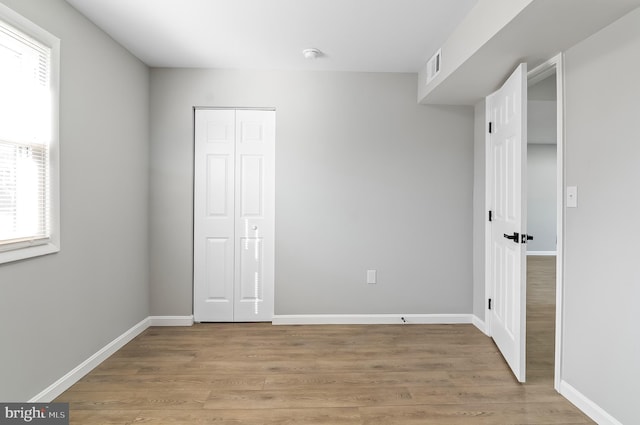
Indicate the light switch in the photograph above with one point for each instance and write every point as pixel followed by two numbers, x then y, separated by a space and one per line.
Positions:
pixel 572 197
pixel 371 276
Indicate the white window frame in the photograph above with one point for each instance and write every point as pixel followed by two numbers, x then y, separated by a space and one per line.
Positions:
pixel 29 249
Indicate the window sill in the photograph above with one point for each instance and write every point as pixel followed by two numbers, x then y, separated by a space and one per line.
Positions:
pixel 29 252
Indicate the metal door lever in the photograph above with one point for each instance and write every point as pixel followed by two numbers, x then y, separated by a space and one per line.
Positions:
pixel 515 237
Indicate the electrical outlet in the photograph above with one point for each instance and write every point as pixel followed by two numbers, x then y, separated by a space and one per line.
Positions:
pixel 372 276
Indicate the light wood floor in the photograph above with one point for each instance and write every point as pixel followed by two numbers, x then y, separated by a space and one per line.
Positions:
pixel 541 315
pixel 260 374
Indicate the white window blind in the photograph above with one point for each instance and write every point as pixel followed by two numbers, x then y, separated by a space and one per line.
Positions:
pixel 25 139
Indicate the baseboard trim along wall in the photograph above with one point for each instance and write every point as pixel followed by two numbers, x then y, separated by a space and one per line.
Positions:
pixel 77 373
pixel 171 320
pixel 370 319
pixel 551 253
pixel 64 383
pixel 480 324
pixel 588 407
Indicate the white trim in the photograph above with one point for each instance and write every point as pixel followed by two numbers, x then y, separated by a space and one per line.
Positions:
pixel 77 373
pixel 591 409
pixel 64 383
pixel 170 320
pixel 480 324
pixel 488 206
pixel 559 64
pixel 541 253
pixel 370 319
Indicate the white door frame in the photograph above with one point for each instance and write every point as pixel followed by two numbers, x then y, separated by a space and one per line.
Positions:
pixel 542 71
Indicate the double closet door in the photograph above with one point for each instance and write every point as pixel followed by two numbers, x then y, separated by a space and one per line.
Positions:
pixel 234 212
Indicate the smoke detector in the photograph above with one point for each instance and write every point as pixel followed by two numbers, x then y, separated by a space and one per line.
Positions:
pixel 311 53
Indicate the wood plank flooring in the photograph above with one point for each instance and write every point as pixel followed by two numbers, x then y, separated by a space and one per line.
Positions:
pixel 260 374
pixel 541 314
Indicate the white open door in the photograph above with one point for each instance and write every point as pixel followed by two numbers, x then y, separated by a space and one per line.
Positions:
pixel 234 215
pixel 507 147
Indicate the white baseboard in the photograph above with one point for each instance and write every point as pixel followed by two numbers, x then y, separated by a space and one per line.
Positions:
pixel 550 253
pixel 480 324
pixel 170 320
pixel 370 319
pixel 591 409
pixel 64 383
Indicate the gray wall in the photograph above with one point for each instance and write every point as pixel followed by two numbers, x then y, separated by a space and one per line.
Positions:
pixel 602 277
pixel 542 121
pixel 58 310
pixel 544 90
pixel 541 197
pixel 365 178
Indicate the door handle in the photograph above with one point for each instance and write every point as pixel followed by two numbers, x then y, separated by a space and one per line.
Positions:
pixel 515 237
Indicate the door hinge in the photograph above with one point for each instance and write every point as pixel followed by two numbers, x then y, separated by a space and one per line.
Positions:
pixel 490 127
pixel 489 303
pixel 490 215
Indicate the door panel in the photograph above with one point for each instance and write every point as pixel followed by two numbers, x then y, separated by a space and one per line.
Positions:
pixel 507 143
pixel 219 194
pixel 218 272
pixel 255 170
pixel 252 178
pixel 213 219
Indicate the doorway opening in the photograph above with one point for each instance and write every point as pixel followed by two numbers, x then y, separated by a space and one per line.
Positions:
pixel 545 194
pixel 495 284
pixel 541 222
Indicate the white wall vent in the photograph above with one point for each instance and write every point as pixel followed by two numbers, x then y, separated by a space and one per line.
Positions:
pixel 434 65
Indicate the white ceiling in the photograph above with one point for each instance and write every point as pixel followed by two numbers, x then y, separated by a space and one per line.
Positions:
pixel 354 35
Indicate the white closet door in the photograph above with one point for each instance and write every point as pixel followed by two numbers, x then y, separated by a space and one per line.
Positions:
pixel 255 215
pixel 234 215
pixel 214 216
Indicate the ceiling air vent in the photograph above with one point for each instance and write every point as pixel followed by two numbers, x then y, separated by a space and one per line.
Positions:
pixel 434 65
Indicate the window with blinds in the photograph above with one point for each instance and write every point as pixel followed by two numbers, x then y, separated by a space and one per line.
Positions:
pixel 27 137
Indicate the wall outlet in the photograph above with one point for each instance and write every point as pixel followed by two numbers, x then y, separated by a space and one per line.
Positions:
pixel 372 276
